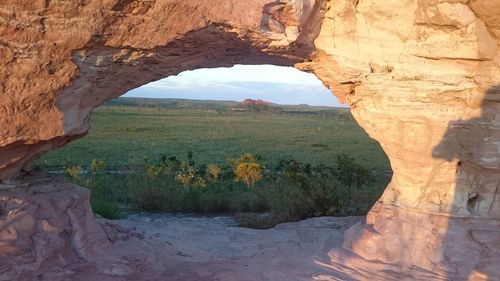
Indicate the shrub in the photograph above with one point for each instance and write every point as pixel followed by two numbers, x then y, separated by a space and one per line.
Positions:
pixel 294 197
pixel 74 172
pixel 249 173
pixel 159 193
pixel 106 209
pixel 188 176
pixel 247 169
pixel 98 165
pixel 153 171
pixel 170 164
pixel 350 172
pixel 289 192
pixel 213 172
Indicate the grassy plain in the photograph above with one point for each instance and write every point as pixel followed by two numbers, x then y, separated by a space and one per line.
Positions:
pixel 315 160
pixel 125 134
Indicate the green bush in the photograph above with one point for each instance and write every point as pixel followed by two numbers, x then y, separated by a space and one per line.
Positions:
pixel 106 209
pixel 98 165
pixel 351 173
pixel 159 193
pixel 289 192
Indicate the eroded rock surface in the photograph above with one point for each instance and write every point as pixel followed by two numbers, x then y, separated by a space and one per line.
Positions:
pixel 46 227
pixel 47 232
pixel 419 75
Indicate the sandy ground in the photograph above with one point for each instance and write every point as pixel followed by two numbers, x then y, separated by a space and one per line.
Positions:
pixel 214 248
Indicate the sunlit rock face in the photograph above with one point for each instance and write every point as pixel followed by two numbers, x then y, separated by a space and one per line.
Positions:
pixel 419 75
pixel 60 59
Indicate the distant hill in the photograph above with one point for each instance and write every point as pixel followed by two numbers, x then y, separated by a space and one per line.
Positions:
pixel 258 106
pixel 172 103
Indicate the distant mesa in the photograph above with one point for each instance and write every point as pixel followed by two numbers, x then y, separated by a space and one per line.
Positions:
pixel 257 106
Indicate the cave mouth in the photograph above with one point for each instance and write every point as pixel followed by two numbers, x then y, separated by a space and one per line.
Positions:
pixel 250 139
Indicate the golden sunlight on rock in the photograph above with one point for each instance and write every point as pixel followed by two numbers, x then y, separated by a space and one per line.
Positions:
pixel 421 77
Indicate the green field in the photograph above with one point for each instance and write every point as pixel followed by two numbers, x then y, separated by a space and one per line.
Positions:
pixel 179 156
pixel 124 134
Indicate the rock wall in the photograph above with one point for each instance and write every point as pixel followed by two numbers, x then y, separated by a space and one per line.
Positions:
pixel 420 76
pixel 61 59
pixel 46 227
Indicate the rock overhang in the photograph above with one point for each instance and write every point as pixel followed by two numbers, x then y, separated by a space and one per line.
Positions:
pixel 420 77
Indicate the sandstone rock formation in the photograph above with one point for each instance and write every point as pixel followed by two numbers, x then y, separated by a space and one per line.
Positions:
pixel 419 75
pixel 45 227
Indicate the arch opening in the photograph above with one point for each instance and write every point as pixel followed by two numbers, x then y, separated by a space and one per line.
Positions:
pixel 171 132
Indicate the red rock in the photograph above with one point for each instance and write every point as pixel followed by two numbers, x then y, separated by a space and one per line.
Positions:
pixel 419 76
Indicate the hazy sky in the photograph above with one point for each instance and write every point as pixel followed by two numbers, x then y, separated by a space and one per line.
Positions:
pixel 282 85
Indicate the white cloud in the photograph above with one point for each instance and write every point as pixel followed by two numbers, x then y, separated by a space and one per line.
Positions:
pixel 238 73
pixel 284 85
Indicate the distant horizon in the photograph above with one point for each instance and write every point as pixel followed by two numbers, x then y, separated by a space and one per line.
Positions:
pixel 236 101
pixel 275 84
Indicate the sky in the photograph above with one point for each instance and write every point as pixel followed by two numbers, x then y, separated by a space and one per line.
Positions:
pixel 277 84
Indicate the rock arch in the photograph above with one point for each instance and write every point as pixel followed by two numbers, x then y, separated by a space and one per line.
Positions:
pixel 412 72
